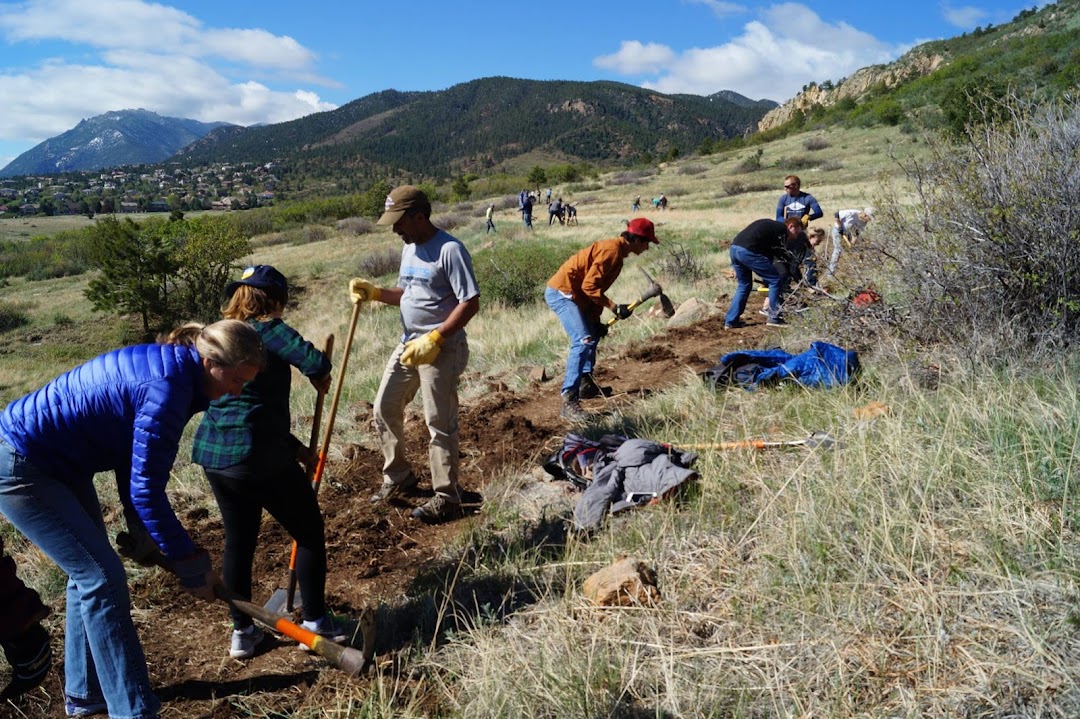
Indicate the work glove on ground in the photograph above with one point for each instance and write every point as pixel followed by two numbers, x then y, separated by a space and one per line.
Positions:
pixel 361 290
pixel 622 311
pixel 197 575
pixel 422 350
pixel 136 543
pixel 30 656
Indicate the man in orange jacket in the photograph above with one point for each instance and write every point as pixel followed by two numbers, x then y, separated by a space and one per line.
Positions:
pixel 576 294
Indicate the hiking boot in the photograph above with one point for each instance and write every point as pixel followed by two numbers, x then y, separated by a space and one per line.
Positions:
pixel 245 641
pixel 328 629
pixel 437 509
pixel 84 707
pixel 590 390
pixel 734 325
pixel 776 322
pixel 389 489
pixel 571 408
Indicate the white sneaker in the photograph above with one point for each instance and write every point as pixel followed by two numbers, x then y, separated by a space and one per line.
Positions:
pixel 244 642
pixel 326 628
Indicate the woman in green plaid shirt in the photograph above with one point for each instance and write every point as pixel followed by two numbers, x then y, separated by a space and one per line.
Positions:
pixel 253 462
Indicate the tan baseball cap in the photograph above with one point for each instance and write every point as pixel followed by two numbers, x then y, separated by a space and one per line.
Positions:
pixel 401 199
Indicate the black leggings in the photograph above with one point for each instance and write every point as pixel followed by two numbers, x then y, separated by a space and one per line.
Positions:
pixel 242 492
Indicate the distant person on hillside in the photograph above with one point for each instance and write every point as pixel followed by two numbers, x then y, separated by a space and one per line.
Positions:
pixel 656 203
pixel 796 203
pixel 555 212
pixel 490 227
pixel 526 212
pixel 663 201
pixel 549 195
pixel 253 462
pixel 847 225
pixel 522 196
pixel 636 204
pixel 571 214
pixel 576 293
pixel 755 250
pixel 437 295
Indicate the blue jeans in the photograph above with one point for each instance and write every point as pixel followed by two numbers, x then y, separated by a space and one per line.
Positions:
pixel 582 355
pixel 103 659
pixel 745 263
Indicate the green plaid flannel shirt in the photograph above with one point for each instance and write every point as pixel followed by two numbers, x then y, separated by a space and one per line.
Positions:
pixel 259 415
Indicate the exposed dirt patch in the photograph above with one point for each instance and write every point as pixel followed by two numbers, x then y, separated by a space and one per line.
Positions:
pixel 379 556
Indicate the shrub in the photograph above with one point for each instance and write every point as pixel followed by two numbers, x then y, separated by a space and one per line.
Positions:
pixel 516 274
pixel 752 163
pixel 355 226
pixel 630 177
pixel 13 315
pixel 679 263
pixel 450 220
pixel 989 252
pixel 692 169
pixel 815 143
pixel 315 233
pixel 378 263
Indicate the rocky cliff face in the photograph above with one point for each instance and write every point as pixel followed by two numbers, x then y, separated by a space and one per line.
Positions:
pixel 912 65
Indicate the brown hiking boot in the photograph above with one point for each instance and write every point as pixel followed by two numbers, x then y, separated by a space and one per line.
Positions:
pixel 389 489
pixel 571 409
pixel 437 509
pixel 590 390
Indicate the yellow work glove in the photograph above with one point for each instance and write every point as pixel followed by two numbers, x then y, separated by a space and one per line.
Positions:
pixel 422 350
pixel 805 220
pixel 363 291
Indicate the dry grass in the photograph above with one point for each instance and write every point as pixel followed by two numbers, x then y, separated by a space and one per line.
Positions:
pixel 926 568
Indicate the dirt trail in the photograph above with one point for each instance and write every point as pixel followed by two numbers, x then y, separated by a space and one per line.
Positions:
pixel 377 554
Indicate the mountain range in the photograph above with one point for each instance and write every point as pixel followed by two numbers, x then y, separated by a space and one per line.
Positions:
pixel 122 137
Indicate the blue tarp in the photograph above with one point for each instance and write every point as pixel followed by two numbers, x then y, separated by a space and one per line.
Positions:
pixel 823 365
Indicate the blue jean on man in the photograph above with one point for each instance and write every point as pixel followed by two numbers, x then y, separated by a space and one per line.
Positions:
pixel 745 263
pixel 582 355
pixel 103 659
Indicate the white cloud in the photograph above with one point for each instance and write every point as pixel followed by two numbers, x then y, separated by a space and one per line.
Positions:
pixel 772 58
pixel 966 17
pixel 634 58
pixel 181 68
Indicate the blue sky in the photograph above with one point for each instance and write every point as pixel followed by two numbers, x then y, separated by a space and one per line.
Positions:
pixel 65 60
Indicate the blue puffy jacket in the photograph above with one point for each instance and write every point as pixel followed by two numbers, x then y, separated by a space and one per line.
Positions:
pixel 123 411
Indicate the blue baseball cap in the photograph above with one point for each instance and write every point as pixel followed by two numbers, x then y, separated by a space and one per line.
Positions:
pixel 265 278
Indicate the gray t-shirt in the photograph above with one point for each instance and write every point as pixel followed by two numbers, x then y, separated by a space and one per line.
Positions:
pixel 436 276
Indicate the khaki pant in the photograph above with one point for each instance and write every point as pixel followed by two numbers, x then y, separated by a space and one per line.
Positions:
pixel 438 384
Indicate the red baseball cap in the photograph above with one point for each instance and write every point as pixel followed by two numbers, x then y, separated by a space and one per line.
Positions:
pixel 643 227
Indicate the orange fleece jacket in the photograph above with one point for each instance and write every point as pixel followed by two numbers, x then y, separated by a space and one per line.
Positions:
pixel 588 274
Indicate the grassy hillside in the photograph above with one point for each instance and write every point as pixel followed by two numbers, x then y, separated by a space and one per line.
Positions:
pixel 927 567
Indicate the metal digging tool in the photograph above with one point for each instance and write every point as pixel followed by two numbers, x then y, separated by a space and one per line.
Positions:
pixel 654 290
pixel 824 440
pixel 665 301
pixel 351 661
pixel 287 599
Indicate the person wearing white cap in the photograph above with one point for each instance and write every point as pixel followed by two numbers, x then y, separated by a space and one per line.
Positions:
pixel 847 224
pixel 438 295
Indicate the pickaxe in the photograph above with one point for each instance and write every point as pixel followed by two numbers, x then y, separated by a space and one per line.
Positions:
pixel 653 290
pixel 824 440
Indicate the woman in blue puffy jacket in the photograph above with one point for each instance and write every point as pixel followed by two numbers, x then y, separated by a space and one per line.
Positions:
pixel 123 411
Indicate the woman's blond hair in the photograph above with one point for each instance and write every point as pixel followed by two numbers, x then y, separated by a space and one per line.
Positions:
pixel 227 343
pixel 249 303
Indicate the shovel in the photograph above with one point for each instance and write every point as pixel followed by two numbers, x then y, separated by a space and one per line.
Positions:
pixel 288 600
pixel 824 440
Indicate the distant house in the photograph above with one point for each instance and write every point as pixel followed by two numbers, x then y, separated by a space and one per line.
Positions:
pixel 266 198
pixel 225 203
pixel 28 209
pixel 8 192
pixel 158 206
pixel 129 206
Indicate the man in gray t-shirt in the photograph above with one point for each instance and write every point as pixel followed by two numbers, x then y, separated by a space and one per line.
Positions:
pixel 438 295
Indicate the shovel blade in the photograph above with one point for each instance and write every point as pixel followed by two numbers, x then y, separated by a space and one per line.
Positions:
pixel 821 439
pixel 278 603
